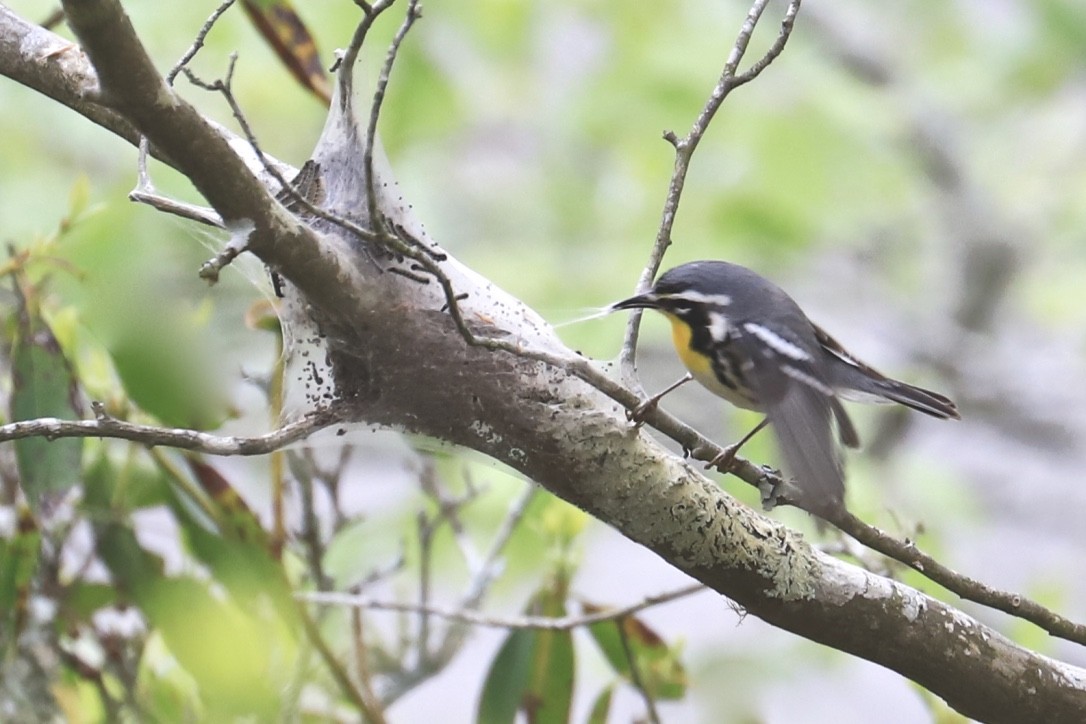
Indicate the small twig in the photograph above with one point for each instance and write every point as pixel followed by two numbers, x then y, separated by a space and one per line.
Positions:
pixel 380 573
pixel 448 510
pixel 635 672
pixel 774 50
pixel 414 12
pixel 144 192
pixel 302 467
pixel 426 539
pixel 198 42
pixel 210 269
pixel 106 427
pixel 490 566
pixel 370 710
pixel 192 212
pixel 462 615
pixel 968 588
pixel 350 55
pixel 684 151
pixel 361 657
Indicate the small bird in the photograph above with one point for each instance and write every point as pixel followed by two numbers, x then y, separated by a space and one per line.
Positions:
pixel 744 339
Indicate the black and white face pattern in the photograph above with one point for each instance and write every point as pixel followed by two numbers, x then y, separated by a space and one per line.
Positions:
pixel 714 330
pixel 707 349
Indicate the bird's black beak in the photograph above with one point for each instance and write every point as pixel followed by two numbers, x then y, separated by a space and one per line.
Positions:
pixel 648 300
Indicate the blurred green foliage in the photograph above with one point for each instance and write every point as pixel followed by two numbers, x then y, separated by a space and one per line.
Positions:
pixel 527 136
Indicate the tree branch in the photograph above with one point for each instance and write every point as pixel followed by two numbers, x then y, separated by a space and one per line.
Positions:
pixel 129 84
pixel 467 615
pixel 729 80
pixel 109 427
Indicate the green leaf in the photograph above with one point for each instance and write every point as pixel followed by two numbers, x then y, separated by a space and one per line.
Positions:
pixel 82 599
pixel 18 562
pixel 601 708
pixel 43 385
pixel 160 374
pixel 658 666
pixel 534 670
pixel 550 696
pixel 234 657
pixel 507 678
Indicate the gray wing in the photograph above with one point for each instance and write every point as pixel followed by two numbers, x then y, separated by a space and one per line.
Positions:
pixel 800 405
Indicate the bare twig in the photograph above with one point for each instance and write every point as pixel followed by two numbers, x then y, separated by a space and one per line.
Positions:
pixel 371 711
pixel 144 192
pixel 361 656
pixel 463 615
pixel 491 563
pixel 448 510
pixel 968 588
pixel 426 550
pixel 198 41
pixel 192 212
pixel 729 80
pixel 52 428
pixel 350 55
pixel 414 12
pixel 303 468
pixel 454 635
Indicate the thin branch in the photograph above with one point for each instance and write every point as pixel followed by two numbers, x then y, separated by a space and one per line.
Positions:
pixel 462 615
pixel 198 42
pixel 200 214
pixel 370 710
pixel 426 550
pixel 968 588
pixel 302 467
pixel 361 657
pixel 684 151
pixel 414 12
pixel 448 511
pixel 454 635
pixel 347 63
pixel 145 193
pixel 106 427
pixel 491 566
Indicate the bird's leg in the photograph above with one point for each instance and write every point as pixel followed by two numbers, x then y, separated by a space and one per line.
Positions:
pixel 637 415
pixel 724 460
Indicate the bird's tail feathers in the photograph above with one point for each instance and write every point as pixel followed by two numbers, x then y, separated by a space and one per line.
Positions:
pixel 919 399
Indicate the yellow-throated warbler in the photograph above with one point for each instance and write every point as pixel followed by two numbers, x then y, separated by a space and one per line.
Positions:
pixel 742 337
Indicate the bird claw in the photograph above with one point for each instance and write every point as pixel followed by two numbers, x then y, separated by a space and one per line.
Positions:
pixel 724 460
pixel 772 486
pixel 638 414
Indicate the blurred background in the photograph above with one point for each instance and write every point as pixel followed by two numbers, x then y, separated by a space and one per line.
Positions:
pixel 913 173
